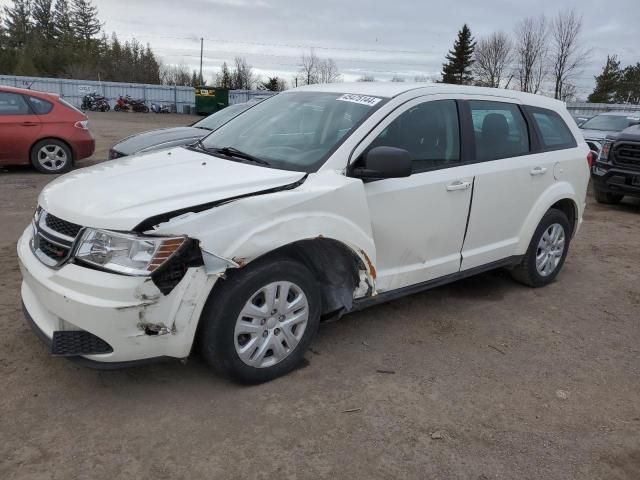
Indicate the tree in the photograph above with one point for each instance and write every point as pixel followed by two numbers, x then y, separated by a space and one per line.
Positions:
pixel 62 20
pixel 607 82
pixel 84 20
pixel 421 79
pixel 491 58
pixel 366 78
pixel 242 76
pixel 43 25
pixel 397 79
pixel 309 69
pixel 223 79
pixel 628 88
pixel 457 70
pixel 531 53
pixel 17 21
pixel 327 71
pixel 566 54
pixel 274 84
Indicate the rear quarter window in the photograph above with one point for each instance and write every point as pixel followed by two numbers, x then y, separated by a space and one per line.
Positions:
pixel 40 106
pixel 553 131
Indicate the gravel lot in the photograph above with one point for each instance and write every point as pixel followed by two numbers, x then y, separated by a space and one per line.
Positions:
pixel 490 379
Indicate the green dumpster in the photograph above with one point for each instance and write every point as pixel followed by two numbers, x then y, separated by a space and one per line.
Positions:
pixel 210 100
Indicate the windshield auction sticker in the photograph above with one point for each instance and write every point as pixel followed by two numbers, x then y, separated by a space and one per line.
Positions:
pixel 361 99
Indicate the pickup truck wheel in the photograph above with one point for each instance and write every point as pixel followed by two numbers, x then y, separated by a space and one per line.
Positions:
pixel 547 251
pixel 259 322
pixel 608 198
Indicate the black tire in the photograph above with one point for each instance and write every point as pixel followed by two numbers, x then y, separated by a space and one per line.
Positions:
pixel 145 109
pixel 218 320
pixel 608 198
pixel 54 146
pixel 526 272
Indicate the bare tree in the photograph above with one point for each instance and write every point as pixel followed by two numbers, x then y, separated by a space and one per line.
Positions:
pixel 175 75
pixel 567 55
pixel 327 71
pixel 422 79
pixel 491 57
pixel 569 92
pixel 317 70
pixel 397 78
pixel 242 77
pixel 531 53
pixel 366 78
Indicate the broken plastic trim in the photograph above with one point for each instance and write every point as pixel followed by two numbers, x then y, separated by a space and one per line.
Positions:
pixel 151 222
pixel 170 273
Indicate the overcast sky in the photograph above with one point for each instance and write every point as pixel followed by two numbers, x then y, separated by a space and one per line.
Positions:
pixel 374 37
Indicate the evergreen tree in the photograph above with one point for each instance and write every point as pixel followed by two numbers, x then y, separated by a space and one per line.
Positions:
pixel 607 82
pixel 223 79
pixel 63 30
pixel 43 25
pixel 457 70
pixel 273 84
pixel 18 23
pixel 628 88
pixel 84 19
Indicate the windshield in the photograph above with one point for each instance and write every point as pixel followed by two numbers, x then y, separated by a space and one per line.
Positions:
pixel 614 123
pixel 216 120
pixel 294 131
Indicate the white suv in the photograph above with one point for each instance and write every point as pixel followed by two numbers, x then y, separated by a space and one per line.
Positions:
pixel 317 202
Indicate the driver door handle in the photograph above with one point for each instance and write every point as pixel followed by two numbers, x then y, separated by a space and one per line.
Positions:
pixel 538 171
pixel 458 185
pixel 29 124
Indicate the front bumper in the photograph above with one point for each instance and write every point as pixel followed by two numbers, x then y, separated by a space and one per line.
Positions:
pixel 609 178
pixel 129 313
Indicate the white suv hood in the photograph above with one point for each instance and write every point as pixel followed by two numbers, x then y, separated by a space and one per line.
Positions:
pixel 119 194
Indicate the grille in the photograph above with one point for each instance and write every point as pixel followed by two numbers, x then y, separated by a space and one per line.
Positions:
pixel 62 226
pixel 51 250
pixel 78 342
pixel 628 154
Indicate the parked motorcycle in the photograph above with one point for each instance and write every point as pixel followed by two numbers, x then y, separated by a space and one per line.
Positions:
pixel 95 102
pixel 155 108
pixel 128 104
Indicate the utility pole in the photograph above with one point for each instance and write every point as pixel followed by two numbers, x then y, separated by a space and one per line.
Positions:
pixel 201 52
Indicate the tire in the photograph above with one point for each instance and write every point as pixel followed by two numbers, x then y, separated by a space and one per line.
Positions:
pixel 116 108
pixel 222 336
pixel 51 156
pixel 528 271
pixel 608 198
pixel 145 109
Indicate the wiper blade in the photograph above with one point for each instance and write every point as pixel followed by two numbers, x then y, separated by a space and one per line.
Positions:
pixel 234 152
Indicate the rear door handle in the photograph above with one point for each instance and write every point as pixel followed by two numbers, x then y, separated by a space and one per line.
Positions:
pixel 29 124
pixel 458 185
pixel 538 171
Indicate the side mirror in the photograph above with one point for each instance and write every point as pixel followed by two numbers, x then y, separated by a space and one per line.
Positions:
pixel 384 162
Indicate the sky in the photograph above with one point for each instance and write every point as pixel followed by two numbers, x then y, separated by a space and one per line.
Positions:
pixel 365 37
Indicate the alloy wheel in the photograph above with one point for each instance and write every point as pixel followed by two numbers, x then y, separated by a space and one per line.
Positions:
pixel 550 249
pixel 52 157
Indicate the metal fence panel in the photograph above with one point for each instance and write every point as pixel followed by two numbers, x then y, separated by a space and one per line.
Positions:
pixel 242 96
pixel 74 90
pixel 586 108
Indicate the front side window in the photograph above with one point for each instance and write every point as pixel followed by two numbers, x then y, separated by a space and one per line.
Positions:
pixel 294 131
pixel 39 106
pixel 13 104
pixel 500 130
pixel 429 132
pixel 554 132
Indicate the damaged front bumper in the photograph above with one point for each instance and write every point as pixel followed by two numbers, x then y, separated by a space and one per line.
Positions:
pixel 129 313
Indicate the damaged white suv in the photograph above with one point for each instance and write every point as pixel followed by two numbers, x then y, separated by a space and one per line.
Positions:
pixel 317 202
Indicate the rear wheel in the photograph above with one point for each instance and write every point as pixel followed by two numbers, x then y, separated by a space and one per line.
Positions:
pixel 51 156
pixel 259 322
pixel 547 251
pixel 608 198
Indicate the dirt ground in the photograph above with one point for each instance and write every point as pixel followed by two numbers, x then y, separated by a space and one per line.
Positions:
pixel 490 379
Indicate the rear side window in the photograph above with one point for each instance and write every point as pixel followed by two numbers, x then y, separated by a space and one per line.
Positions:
pixel 500 130
pixel 13 104
pixel 429 132
pixel 554 133
pixel 39 106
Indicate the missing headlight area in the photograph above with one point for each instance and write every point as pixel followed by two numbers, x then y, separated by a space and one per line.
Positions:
pixel 167 276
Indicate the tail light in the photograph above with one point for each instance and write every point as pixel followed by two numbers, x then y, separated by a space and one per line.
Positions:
pixel 590 159
pixel 82 125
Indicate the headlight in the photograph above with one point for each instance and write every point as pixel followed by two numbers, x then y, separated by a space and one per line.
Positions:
pixel 604 151
pixel 125 253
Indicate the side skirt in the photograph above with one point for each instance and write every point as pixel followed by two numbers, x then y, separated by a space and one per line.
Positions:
pixel 362 303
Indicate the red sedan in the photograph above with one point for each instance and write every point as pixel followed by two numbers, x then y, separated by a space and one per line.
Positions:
pixel 42 129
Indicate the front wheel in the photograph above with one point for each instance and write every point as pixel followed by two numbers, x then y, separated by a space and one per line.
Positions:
pixel 51 156
pixel 145 109
pixel 259 322
pixel 547 251
pixel 608 198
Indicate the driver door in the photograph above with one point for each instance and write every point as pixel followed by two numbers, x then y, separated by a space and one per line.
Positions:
pixel 419 222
